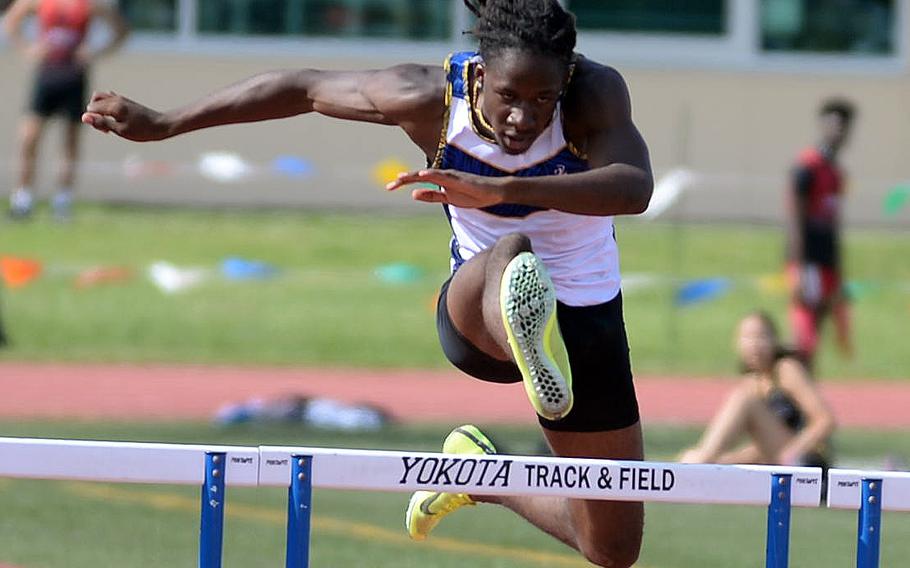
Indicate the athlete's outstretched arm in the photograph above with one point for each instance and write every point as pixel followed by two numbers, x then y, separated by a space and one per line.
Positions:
pixel 110 14
pixel 820 422
pixel 405 95
pixel 619 181
pixel 797 210
pixel 12 26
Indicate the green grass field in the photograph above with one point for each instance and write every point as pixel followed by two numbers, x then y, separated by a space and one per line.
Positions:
pixel 327 307
pixel 80 525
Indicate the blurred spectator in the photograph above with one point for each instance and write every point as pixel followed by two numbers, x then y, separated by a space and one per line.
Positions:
pixel 62 56
pixel 318 412
pixel 776 415
pixel 814 255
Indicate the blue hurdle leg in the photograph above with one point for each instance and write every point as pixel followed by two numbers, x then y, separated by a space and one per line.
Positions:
pixel 211 528
pixel 777 550
pixel 300 499
pixel 870 525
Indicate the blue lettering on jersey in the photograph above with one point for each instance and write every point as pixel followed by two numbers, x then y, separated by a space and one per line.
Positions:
pixel 565 162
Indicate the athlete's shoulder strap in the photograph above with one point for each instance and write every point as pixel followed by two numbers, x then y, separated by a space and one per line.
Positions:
pixel 457 66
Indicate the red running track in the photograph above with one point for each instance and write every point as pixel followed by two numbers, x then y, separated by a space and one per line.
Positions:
pixel 165 392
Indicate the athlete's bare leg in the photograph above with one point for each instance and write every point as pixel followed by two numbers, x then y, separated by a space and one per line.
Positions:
pixel 607 533
pixel 473 297
pixel 743 413
pixel 746 454
pixel 30 131
pixel 63 201
pixel 71 151
pixel 804 321
pixel 21 199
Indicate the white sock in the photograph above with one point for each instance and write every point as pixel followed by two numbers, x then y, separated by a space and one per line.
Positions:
pixel 63 204
pixel 21 198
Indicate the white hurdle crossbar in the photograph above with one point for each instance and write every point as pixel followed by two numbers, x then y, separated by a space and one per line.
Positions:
pixel 505 475
pixel 211 467
pixel 123 462
pixel 300 469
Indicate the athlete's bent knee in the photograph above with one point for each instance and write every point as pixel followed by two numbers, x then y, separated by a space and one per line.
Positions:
pixel 612 553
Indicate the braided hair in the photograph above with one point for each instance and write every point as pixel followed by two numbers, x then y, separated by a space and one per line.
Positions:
pixel 540 26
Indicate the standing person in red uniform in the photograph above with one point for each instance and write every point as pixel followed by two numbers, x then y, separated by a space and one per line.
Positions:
pixel 62 56
pixel 814 251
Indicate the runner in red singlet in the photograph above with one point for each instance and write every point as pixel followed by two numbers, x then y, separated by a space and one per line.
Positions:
pixel 62 56
pixel 814 255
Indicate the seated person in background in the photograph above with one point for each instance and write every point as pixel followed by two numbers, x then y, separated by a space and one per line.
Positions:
pixel 777 409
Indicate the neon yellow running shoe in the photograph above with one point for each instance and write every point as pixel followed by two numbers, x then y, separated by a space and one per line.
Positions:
pixel 528 302
pixel 427 508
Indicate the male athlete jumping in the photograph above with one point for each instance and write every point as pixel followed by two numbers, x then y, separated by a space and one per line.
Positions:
pixel 534 151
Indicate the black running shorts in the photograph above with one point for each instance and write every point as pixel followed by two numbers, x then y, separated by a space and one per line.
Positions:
pixel 595 338
pixel 59 91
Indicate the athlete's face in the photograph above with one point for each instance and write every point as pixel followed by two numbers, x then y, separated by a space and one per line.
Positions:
pixel 756 344
pixel 835 130
pixel 519 94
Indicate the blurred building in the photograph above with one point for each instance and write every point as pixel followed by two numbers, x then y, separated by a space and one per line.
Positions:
pixel 808 34
pixel 727 88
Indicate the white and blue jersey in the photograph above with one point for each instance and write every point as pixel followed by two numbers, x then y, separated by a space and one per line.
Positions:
pixel 579 251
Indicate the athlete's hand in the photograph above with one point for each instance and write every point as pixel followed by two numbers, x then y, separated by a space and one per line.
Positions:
pixel 110 112
pixel 457 188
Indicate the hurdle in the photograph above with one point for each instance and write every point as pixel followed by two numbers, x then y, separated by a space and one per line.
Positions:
pixel 300 469
pixel 210 467
pixel 869 492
